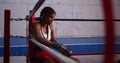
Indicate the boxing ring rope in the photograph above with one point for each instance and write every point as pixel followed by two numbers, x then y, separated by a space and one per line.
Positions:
pixel 57 55
pixel 109 30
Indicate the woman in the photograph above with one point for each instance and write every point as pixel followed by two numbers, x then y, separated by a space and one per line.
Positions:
pixel 43 32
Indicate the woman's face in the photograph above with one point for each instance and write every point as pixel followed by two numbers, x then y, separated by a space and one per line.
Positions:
pixel 48 19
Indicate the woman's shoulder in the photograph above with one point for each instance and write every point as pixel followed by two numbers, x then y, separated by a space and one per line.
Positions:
pixel 51 26
pixel 36 23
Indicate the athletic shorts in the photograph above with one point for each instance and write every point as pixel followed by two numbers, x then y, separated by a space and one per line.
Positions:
pixel 42 55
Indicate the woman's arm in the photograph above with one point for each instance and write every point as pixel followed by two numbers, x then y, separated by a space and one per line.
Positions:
pixel 53 38
pixel 62 48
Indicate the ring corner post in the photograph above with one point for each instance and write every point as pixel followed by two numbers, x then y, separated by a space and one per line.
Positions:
pixel 31 20
pixel 7 15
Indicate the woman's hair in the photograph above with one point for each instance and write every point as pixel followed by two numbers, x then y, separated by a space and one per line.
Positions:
pixel 47 10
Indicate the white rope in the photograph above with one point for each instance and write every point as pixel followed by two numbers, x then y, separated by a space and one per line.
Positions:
pixel 35 8
pixel 60 57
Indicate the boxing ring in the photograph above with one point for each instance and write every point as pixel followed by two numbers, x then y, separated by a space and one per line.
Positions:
pixel 109 26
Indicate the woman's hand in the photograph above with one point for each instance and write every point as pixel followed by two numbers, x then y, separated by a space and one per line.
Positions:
pixel 63 49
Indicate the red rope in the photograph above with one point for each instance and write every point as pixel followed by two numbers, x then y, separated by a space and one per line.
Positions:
pixel 109 26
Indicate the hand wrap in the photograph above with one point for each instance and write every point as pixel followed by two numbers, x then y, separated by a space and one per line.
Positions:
pixel 56 45
pixel 63 49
